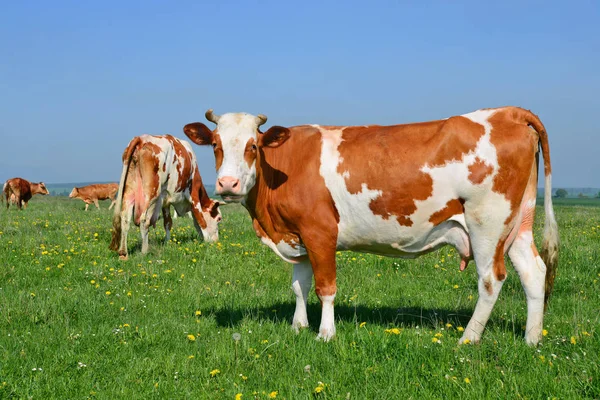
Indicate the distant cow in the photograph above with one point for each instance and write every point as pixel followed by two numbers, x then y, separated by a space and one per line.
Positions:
pixel 469 181
pixel 160 171
pixel 92 193
pixel 19 191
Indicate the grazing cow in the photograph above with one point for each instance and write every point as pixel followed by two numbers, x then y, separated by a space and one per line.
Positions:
pixel 92 193
pixel 160 171
pixel 404 190
pixel 19 191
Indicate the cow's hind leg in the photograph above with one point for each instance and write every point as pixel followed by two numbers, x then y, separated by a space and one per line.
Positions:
pixel 168 222
pixel 126 217
pixel 96 204
pixel 532 272
pixel 488 233
pixel 301 284
pixel 147 219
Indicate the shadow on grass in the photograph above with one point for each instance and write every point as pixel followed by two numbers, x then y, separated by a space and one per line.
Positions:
pixel 383 316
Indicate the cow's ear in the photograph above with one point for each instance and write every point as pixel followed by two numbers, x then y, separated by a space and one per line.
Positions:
pixel 274 137
pixel 198 133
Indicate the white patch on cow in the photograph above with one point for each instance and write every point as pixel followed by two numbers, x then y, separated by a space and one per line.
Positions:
pixel 288 253
pixel 301 283
pixel 327 327
pixel 211 232
pixel 235 129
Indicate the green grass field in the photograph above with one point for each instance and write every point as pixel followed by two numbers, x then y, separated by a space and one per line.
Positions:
pixel 75 322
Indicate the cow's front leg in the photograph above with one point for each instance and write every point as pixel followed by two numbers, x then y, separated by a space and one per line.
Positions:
pixel 301 283
pixel 86 205
pixel 323 263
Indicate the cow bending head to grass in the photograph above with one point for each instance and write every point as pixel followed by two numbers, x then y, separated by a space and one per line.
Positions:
pixel 468 181
pixel 159 172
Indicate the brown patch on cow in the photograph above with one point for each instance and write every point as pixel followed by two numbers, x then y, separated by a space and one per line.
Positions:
pixel 218 149
pixel 516 147
pixel 499 267
pixel 184 161
pixel 487 284
pixel 479 170
pixel 377 155
pixel 453 207
pixel 250 152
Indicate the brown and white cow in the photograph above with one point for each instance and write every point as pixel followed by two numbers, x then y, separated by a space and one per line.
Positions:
pixel 404 190
pixel 19 191
pixel 160 171
pixel 98 191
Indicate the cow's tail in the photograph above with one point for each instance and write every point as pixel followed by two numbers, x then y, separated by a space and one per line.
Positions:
pixel 116 231
pixel 550 242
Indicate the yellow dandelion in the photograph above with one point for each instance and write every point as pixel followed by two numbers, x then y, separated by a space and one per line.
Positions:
pixel 573 341
pixel 448 325
pixel 362 324
pixel 466 341
pixel 198 313
pixel 125 325
pixel 320 387
pixel 238 396
pixel 273 394
pixel 467 381
pixel 460 329
pixel 544 332
pixel 191 356
pixel 435 340
pixel 108 292
pixel 455 286
pixel 393 331
pixel 191 338
pixel 214 373
pixel 438 335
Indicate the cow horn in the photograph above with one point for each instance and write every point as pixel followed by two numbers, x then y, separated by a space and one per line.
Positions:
pixel 211 116
pixel 261 119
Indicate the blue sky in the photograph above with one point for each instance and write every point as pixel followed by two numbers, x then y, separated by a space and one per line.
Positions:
pixel 79 79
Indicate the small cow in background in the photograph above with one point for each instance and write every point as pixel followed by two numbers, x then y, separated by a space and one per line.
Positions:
pixel 19 191
pixel 92 193
pixel 160 171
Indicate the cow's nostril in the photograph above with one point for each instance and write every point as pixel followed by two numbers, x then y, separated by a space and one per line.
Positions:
pixel 220 183
pixel 235 183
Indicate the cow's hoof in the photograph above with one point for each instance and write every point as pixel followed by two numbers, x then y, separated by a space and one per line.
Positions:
pixel 123 257
pixel 326 334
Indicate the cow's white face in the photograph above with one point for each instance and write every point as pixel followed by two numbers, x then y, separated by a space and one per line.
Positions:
pixel 235 146
pixel 73 193
pixel 236 141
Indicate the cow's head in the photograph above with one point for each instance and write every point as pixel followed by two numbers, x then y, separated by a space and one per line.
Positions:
pixel 236 142
pixel 210 225
pixel 39 188
pixel 73 193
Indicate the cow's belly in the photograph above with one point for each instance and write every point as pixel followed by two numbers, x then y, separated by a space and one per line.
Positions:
pixel 394 240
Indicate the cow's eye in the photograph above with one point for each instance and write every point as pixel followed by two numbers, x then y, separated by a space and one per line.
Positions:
pixel 214 145
pixel 254 147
